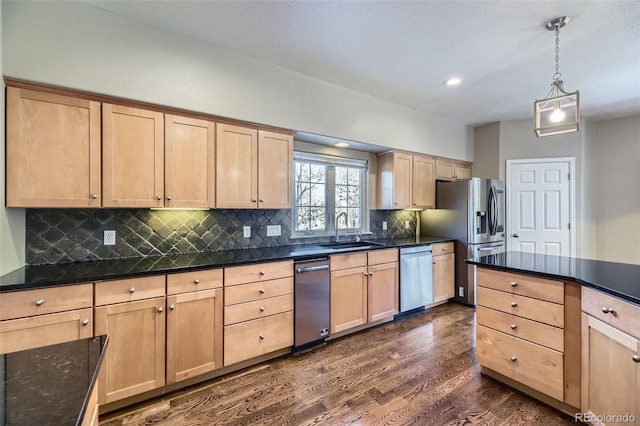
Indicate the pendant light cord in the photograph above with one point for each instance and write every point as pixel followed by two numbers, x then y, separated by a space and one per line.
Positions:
pixel 557 74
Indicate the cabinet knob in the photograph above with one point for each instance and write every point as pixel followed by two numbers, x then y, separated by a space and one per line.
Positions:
pixel 434 263
pixel 132 289
pixel 168 197
pixel 159 197
pixel 94 196
pixel 85 322
pixel 261 200
pixel 514 304
pixel 261 308
pixel 196 281
pixel 514 283
pixel 443 249
pixel 514 358
pixel 261 272
pixel 171 307
pixel 636 358
pixel 607 310
pixel 262 291
pixel 514 326
pixel 261 337
pixel 254 200
pixel 39 302
pixel 160 309
pixel 415 204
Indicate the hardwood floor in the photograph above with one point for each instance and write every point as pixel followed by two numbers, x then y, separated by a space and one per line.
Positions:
pixel 420 370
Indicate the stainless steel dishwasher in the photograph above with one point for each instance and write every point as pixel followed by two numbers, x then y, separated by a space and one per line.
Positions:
pixel 311 298
pixel 416 278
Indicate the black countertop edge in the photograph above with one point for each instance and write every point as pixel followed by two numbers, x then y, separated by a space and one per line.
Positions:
pixel 621 280
pixel 94 378
pixel 38 276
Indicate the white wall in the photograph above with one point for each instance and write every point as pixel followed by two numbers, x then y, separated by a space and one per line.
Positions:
pixel 618 190
pixel 487 151
pixel 12 230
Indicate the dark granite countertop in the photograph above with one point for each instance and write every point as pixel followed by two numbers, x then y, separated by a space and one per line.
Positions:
pixel 49 385
pixel 37 276
pixel 618 279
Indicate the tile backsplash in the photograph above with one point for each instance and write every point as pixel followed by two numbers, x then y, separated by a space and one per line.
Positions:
pixel 72 235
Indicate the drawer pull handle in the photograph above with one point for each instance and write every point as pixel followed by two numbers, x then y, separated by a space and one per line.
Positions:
pixel 636 358
pixel 85 322
pixel 514 326
pixel 132 289
pixel 160 309
pixel 262 291
pixel 514 283
pixel 607 310
pixel 39 302
pixel 172 307
pixel 196 281
pixel 261 337
pixel 514 358
pixel 261 308
pixel 514 304
pixel 261 272
pixel 444 249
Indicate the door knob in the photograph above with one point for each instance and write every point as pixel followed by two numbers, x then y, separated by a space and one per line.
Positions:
pixel 515 235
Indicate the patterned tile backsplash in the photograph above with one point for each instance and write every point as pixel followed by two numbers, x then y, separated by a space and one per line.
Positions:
pixel 71 235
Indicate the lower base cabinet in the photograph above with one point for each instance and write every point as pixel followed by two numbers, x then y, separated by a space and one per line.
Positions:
pixel 443 272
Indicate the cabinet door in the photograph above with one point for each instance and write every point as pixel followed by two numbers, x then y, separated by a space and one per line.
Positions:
pixel 443 277
pixel 135 358
pixel 43 330
pixel 444 169
pixel 189 162
pixel 348 299
pixel 462 171
pixel 275 168
pixel 424 182
pixel 53 150
pixel 132 157
pixel 236 167
pixel 194 334
pixel 610 374
pixel 402 164
pixel 382 291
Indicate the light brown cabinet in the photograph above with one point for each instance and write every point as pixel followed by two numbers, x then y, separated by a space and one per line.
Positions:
pixel 194 324
pixel 610 358
pixel 452 170
pixel 364 288
pixel 136 325
pixel 53 150
pixel 394 180
pixel 423 182
pixel 254 168
pixel 443 271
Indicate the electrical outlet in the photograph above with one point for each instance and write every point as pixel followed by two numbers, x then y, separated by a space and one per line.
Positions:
pixel 273 230
pixel 246 230
pixel 110 238
pixel 384 225
pixel 406 224
pixel 461 291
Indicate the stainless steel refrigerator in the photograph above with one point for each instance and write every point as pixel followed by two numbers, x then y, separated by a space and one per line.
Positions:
pixel 471 212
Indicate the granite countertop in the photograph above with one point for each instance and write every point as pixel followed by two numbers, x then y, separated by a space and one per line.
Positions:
pixel 618 279
pixel 38 276
pixel 51 384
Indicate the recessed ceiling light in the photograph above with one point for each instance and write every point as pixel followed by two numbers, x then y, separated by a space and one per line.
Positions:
pixel 453 81
pixel 342 144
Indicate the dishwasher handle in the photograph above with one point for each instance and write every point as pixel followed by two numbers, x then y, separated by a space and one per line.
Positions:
pixel 312 269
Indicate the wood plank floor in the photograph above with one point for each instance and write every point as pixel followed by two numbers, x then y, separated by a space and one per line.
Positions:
pixel 417 371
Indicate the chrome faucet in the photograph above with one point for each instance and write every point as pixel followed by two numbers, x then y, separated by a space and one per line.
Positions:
pixel 343 214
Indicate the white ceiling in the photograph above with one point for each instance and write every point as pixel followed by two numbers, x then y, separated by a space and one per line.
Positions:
pixel 402 51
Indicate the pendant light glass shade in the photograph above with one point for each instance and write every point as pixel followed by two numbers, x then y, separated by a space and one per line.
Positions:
pixel 559 111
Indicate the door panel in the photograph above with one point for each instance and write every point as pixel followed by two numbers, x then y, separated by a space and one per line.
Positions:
pixel 236 167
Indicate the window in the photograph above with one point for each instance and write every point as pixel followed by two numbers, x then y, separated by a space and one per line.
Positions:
pixel 326 188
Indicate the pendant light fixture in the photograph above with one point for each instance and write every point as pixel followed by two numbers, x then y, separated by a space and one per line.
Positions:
pixel 559 111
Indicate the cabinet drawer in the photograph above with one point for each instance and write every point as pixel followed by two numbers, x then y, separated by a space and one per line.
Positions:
pixel 625 316
pixel 27 303
pixel 257 309
pixel 442 248
pixel 376 257
pixel 535 366
pixel 346 261
pixel 524 285
pixel 533 331
pixel 257 291
pixel 109 292
pixel 193 281
pixel 250 339
pixel 258 272
pixel 526 307
pixel 43 330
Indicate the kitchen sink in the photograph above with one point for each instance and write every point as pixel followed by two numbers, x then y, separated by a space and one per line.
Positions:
pixel 349 245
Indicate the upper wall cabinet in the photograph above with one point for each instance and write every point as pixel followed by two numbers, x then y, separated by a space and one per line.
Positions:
pixel 253 168
pixel 132 157
pixel 424 182
pixel 53 150
pixel 451 170
pixel 405 181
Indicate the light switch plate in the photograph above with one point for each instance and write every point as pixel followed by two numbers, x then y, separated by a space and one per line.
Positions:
pixel 110 238
pixel 461 291
pixel 246 230
pixel 384 225
pixel 273 230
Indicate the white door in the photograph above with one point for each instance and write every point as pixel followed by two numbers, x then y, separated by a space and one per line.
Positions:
pixel 540 205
